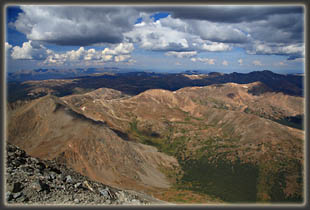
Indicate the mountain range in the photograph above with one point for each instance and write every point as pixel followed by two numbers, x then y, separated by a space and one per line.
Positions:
pixel 133 83
pixel 184 138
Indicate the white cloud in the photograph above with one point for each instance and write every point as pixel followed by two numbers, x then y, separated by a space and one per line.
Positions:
pixel 281 63
pixel 206 30
pixel 7 46
pixel 107 57
pixel 215 46
pixel 175 24
pixel 116 53
pixel 76 55
pixel 76 25
pixel 91 54
pixel 154 36
pixel 181 54
pixel 198 30
pixel 23 52
pixel 29 50
pixel 211 61
pixel 179 37
pixel 263 48
pixel 131 61
pixel 218 32
pixel 203 35
pixel 122 48
pixel 8 49
pixel 204 60
pixel 257 63
pixel 120 58
pixel 225 63
pixel 171 34
pixel 292 50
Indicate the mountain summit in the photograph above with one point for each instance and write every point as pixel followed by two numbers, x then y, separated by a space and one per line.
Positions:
pixel 228 140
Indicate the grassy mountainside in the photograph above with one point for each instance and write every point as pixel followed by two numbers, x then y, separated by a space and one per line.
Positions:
pixel 211 132
pixel 54 131
pixel 225 139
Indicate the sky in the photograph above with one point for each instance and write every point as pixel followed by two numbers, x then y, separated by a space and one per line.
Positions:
pixel 223 38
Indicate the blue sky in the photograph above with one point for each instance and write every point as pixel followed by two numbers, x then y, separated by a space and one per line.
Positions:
pixel 210 38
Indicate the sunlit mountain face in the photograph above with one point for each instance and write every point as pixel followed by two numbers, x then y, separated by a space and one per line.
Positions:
pixel 178 104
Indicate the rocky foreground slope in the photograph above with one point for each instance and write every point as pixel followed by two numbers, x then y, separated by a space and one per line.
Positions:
pixel 53 130
pixel 34 181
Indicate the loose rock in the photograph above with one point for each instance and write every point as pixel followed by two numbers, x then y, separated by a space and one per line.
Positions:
pixel 32 181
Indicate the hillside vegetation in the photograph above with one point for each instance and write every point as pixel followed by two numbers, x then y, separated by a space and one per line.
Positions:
pixel 218 143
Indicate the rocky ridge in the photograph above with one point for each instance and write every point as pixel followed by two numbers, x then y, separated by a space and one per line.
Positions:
pixel 222 130
pixel 32 181
pixel 54 130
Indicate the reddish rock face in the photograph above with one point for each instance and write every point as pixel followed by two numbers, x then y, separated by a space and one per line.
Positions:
pixel 90 147
pixel 100 133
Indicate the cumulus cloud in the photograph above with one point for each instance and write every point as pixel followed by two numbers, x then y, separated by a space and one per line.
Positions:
pixel 29 50
pixel 76 25
pixel 218 32
pixel 131 61
pixel 258 29
pixel 23 52
pixel 204 35
pixel 122 48
pixel 293 51
pixel 170 34
pixel 175 24
pixel 154 36
pixel 204 60
pixel 257 63
pixel 120 58
pixel 279 34
pixel 116 53
pixel 181 54
pixel 8 48
pixel 215 46
pixel 91 54
pixel 225 63
pixel 261 30
pixel 8 51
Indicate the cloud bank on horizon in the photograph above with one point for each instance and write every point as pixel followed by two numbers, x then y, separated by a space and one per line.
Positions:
pixel 202 37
